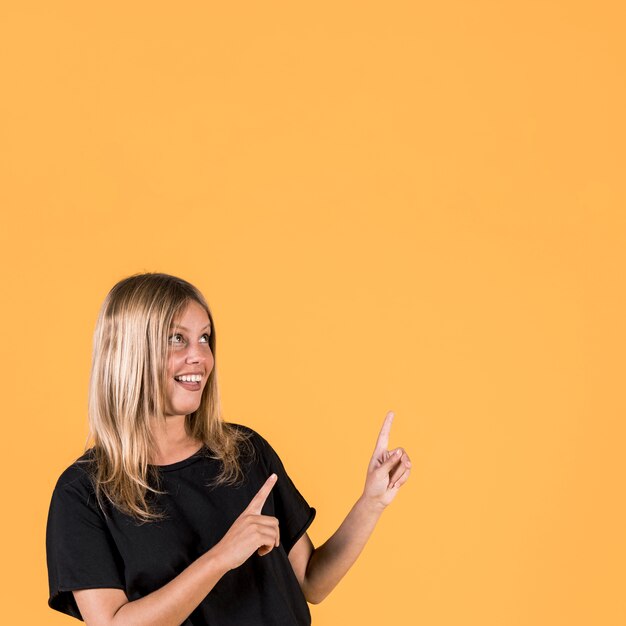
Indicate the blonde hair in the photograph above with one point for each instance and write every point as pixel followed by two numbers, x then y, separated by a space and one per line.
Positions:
pixel 127 388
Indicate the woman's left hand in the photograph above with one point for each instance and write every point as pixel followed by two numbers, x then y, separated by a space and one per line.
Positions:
pixel 388 470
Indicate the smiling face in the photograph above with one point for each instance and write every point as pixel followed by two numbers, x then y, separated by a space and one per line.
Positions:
pixel 190 357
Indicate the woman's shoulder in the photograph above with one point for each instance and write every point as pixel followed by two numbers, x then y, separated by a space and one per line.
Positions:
pixel 249 433
pixel 77 474
pixel 243 429
pixel 260 444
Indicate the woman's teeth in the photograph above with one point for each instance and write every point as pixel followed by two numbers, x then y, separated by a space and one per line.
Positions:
pixel 194 378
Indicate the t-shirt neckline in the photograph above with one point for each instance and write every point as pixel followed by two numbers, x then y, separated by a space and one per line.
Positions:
pixel 174 466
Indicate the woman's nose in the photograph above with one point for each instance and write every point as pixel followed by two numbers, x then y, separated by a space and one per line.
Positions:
pixel 195 355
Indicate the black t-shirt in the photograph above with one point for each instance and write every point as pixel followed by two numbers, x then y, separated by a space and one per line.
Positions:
pixel 86 550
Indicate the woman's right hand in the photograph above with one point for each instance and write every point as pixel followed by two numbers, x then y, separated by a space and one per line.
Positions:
pixel 250 531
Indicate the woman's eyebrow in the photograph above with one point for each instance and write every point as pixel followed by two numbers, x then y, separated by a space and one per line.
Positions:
pixel 183 328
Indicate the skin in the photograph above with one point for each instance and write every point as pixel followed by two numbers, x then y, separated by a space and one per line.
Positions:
pixel 318 570
pixel 190 351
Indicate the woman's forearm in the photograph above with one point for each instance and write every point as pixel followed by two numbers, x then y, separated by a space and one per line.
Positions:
pixel 386 473
pixel 172 604
pixel 329 563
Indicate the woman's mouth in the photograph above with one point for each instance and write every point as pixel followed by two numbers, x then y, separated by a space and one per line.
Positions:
pixel 189 386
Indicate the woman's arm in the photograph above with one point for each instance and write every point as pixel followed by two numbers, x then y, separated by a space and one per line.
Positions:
pixel 168 606
pixel 172 604
pixel 318 570
pixel 322 568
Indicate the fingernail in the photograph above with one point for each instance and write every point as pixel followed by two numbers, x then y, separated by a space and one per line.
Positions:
pixel 398 451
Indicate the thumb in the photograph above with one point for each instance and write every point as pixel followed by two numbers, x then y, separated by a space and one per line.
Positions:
pixel 256 504
pixel 393 458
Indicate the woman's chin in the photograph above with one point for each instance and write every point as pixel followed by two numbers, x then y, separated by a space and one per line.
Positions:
pixel 190 408
pixel 184 408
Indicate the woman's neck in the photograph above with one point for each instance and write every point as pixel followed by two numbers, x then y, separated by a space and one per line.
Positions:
pixel 173 444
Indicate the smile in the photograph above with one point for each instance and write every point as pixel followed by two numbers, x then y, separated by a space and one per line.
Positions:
pixel 190 386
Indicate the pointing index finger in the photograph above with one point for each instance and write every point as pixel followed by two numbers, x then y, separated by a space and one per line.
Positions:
pixel 256 504
pixel 383 438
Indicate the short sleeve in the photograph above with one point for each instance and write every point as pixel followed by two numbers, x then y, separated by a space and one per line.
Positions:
pixel 80 550
pixel 294 513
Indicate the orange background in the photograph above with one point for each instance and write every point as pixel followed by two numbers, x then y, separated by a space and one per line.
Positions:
pixel 400 205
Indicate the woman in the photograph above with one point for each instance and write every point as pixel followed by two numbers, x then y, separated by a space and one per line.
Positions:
pixel 175 516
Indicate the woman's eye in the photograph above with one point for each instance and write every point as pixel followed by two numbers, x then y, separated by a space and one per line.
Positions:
pixel 174 338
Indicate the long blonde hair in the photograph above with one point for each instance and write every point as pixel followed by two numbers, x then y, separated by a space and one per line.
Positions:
pixel 127 388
